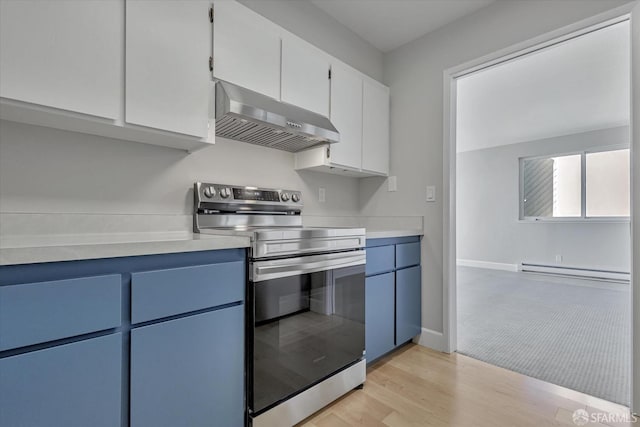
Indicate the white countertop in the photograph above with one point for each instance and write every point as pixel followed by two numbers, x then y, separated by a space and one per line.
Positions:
pixel 384 234
pixel 50 248
pixel 31 249
pixel 380 227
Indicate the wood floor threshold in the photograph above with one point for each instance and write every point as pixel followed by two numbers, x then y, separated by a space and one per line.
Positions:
pixel 419 387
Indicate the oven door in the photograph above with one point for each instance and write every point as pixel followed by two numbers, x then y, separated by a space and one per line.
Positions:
pixel 308 323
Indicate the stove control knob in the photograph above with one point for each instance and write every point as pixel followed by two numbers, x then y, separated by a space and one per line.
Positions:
pixel 225 193
pixel 209 192
pixel 285 197
pixel 295 198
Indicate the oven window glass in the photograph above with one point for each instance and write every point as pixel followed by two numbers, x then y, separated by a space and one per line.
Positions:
pixel 306 328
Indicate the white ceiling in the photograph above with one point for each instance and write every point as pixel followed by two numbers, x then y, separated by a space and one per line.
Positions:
pixel 387 24
pixel 577 86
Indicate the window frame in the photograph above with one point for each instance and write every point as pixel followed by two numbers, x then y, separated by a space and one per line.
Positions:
pixel 583 188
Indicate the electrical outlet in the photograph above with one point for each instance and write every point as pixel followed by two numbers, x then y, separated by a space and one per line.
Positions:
pixel 321 195
pixel 559 259
pixel 392 182
pixel 431 193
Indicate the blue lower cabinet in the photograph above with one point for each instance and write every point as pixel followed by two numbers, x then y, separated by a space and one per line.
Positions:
pixel 379 315
pixel 72 385
pixel 393 299
pixel 71 354
pixel 189 371
pixel 408 303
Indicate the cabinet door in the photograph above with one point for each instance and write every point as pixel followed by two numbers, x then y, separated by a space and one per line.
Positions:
pixel 408 304
pixel 379 312
pixel 72 385
pixel 375 128
pixel 246 48
pixel 64 54
pixel 305 76
pixel 189 371
pixel 346 116
pixel 168 82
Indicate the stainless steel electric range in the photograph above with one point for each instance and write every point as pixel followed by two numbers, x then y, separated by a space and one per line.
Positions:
pixel 305 300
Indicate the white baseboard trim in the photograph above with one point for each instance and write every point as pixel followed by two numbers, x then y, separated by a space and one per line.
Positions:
pixel 431 339
pixel 487 264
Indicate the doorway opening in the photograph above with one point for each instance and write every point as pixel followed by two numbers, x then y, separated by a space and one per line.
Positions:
pixel 542 184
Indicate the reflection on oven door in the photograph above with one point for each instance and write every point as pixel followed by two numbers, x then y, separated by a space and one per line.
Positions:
pixel 280 297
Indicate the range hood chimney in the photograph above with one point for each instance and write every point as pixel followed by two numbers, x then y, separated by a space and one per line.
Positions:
pixel 248 116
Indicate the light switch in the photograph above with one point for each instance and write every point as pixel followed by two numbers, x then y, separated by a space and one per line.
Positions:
pixel 431 193
pixel 321 195
pixel 393 183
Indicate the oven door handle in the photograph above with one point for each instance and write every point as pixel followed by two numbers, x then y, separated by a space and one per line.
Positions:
pixel 266 270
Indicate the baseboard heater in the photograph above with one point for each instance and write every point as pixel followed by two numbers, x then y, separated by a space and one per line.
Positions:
pixel 587 273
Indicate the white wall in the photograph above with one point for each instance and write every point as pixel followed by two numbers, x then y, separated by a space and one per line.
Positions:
pixel 311 23
pixel 48 170
pixel 487 204
pixel 415 74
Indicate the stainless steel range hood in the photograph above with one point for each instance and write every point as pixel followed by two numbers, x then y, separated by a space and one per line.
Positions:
pixel 248 116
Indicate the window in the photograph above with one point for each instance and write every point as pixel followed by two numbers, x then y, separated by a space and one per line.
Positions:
pixel 584 185
pixel 608 183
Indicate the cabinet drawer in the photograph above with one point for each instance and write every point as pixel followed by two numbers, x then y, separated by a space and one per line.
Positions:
pixel 38 312
pixel 407 254
pixel 72 385
pixel 380 260
pixel 162 293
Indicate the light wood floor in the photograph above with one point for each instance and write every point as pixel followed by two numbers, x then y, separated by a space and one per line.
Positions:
pixel 416 386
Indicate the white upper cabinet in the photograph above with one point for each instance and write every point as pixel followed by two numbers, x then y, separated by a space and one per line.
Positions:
pixel 168 44
pixel 62 65
pixel 360 112
pixel 346 116
pixel 246 48
pixel 305 75
pixel 65 54
pixel 375 128
pixel 139 70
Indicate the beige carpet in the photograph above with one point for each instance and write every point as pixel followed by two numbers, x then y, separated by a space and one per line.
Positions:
pixel 571 332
